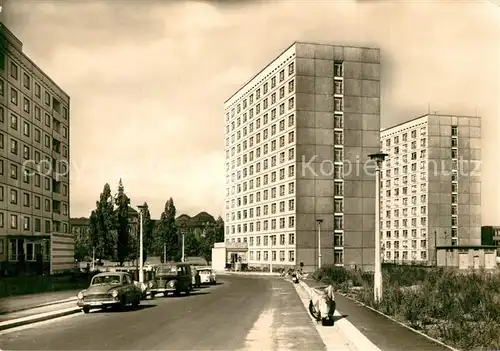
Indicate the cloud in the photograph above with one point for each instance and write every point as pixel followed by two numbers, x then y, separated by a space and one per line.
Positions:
pixel 148 80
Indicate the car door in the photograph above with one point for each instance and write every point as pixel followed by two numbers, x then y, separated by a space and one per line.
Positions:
pixel 128 288
pixel 187 277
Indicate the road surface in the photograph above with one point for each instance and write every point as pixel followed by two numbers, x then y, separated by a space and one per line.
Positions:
pixel 246 313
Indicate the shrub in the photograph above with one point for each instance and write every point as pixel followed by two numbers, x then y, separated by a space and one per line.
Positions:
pixel 461 309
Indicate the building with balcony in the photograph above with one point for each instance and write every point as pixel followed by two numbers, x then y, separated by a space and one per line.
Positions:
pixel 431 187
pixel 34 166
pixel 297 138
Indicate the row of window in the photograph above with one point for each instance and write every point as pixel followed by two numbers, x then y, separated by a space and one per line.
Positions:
pixel 265 90
pixel 50 122
pixel 48 183
pixel 273 131
pixel 389 244
pixel 34 200
pixel 404 191
pixel 14 223
pixel 405 223
pixel 404 233
pixel 27 154
pixel 404 212
pixel 262 225
pixel 403 255
pixel 404 137
pixel 395 172
pixel 32 250
pixel 249 213
pixel 49 100
pixel 249 115
pixel 403 149
pixel 264 255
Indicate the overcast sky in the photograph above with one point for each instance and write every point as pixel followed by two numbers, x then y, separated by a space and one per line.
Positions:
pixel 148 79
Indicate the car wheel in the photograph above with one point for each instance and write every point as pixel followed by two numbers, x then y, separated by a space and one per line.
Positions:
pixel 187 292
pixel 153 295
pixel 136 302
pixel 123 303
pixel 86 310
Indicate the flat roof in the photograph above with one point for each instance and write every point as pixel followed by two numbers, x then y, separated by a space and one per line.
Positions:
pixel 282 52
pixel 425 115
pixel 476 247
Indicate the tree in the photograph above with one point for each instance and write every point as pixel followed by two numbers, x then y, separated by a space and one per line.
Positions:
pixel 213 233
pixel 122 202
pixel 101 226
pixel 83 247
pixel 192 246
pixel 167 231
pixel 219 230
pixel 147 232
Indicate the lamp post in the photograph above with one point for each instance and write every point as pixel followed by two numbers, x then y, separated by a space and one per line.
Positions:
pixel 319 221
pixel 378 158
pixel 271 254
pixel 183 231
pixel 141 245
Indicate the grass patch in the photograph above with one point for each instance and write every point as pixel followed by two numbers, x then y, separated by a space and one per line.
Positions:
pixel 15 286
pixel 460 309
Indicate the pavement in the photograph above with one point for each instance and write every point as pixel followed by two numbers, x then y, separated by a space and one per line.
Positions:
pixel 241 312
pixel 383 332
pixel 23 302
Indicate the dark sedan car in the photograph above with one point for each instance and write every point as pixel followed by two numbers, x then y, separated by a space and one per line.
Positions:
pixel 109 290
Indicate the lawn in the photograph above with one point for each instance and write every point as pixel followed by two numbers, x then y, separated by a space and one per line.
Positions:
pixel 460 309
pixel 15 286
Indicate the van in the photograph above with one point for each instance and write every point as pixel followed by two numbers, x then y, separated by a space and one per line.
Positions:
pixel 171 278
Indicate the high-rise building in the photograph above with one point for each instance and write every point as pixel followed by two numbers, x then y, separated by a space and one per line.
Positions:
pixel 297 136
pixel 431 186
pixel 34 165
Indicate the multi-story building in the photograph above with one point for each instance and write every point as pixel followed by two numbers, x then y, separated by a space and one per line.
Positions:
pixel 34 165
pixel 296 138
pixel 431 186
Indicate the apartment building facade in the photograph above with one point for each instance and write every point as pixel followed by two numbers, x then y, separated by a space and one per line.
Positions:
pixel 297 136
pixel 431 187
pixel 34 166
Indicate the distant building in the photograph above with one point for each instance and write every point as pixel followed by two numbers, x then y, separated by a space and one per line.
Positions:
pixel 196 225
pixel 490 235
pixel 431 187
pixel 34 172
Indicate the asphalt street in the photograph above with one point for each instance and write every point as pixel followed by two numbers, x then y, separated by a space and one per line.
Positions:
pixel 239 313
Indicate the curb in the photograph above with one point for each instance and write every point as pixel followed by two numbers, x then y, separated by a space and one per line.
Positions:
pixel 250 273
pixel 400 323
pixel 18 322
pixel 58 302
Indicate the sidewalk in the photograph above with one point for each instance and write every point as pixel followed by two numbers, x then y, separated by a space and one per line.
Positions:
pixel 384 333
pixel 23 302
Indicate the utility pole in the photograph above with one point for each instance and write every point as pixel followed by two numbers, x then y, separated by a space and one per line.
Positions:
pixel 319 221
pixel 93 259
pixel 164 253
pixel 378 158
pixel 141 246
pixel 183 235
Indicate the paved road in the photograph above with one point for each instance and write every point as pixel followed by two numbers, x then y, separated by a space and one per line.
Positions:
pixel 252 313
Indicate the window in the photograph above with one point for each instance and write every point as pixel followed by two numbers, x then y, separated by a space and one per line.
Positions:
pixel 338 87
pixel 454 131
pixel 291 256
pixel 26 199
pixel 13 171
pixel 26 105
pixel 47 120
pixel 47 98
pixel 13 249
pixel 47 226
pixel 13 96
pixel 291 68
pixel 26 81
pixel 26 223
pixel 338 104
pixel 338 257
pixel 13 122
pixel 13 196
pixel 338 69
pixel 26 129
pixel 13 147
pixel 13 221
pixel 38 90
pixel 13 70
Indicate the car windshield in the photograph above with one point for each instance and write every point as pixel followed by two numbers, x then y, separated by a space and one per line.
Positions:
pixel 205 271
pixel 167 270
pixel 106 279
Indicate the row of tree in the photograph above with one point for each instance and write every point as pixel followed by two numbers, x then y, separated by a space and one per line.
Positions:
pixel 113 235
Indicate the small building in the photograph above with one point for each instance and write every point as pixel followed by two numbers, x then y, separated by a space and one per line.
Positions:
pixel 490 235
pixel 230 255
pixel 467 257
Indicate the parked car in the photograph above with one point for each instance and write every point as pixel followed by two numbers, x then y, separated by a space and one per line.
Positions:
pixel 207 275
pixel 172 278
pixel 114 289
pixel 196 282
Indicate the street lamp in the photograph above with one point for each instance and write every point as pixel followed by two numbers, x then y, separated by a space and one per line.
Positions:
pixel 183 232
pixel 379 158
pixel 319 221
pixel 141 263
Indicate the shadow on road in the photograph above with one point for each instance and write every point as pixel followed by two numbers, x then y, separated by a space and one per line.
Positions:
pixel 126 309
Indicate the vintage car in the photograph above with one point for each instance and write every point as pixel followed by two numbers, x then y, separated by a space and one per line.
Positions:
pixel 207 275
pixel 196 282
pixel 112 289
pixel 172 278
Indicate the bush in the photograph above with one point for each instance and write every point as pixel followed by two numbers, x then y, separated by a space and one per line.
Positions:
pixel 461 309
